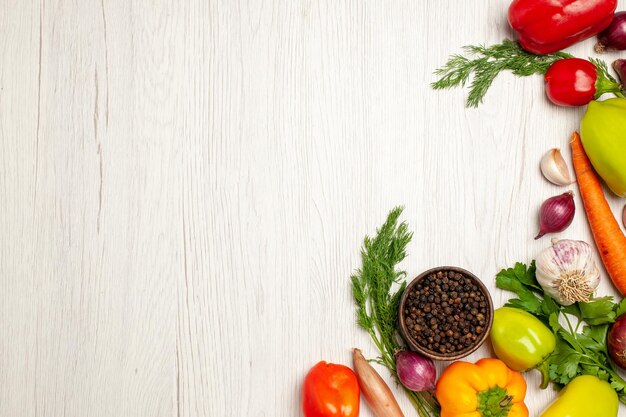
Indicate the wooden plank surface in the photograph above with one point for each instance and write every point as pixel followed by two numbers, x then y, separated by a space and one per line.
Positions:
pixel 184 187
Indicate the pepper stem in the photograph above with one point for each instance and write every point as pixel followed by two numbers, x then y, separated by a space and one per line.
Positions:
pixel 604 85
pixel 605 82
pixel 545 374
pixel 506 401
pixel 494 402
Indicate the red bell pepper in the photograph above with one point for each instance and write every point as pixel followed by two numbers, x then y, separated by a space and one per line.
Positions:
pixel 330 390
pixel 575 82
pixel 546 26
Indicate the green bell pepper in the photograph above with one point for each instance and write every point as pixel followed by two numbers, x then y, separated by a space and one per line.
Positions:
pixel 603 133
pixel 584 396
pixel 520 340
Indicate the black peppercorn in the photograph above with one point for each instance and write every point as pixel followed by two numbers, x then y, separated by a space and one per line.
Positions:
pixel 447 312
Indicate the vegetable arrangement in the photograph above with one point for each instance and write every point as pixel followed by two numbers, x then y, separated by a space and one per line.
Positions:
pixel 581 345
pixel 554 324
pixel 526 334
pixel 544 27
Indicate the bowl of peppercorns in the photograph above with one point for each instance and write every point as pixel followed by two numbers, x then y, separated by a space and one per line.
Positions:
pixel 445 313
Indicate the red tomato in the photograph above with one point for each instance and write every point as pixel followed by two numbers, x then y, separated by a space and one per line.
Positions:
pixel 330 390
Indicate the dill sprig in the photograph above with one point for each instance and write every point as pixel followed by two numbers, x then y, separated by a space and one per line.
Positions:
pixel 484 63
pixel 602 69
pixel 377 305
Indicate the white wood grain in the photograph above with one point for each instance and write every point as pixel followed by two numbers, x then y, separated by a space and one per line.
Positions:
pixel 184 187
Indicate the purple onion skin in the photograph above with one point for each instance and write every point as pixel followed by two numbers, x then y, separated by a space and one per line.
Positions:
pixel 613 38
pixel 556 214
pixel 415 372
pixel 616 341
pixel 620 68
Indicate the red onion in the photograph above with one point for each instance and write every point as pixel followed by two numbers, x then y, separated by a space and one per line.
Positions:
pixel 416 372
pixel 620 68
pixel 616 341
pixel 556 214
pixel 613 38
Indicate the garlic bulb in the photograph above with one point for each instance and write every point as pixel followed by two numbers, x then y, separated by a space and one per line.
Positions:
pixel 567 271
pixel 554 168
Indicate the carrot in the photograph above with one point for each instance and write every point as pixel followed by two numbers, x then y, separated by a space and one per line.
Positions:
pixel 610 239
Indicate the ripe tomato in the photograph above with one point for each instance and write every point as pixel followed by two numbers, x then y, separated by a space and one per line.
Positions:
pixel 330 390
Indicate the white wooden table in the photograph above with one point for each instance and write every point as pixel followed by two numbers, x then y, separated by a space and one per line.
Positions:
pixel 184 187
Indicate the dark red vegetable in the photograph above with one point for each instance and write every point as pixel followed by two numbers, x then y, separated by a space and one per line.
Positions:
pixel 556 214
pixel 613 38
pixel 575 82
pixel 620 68
pixel 545 26
pixel 616 341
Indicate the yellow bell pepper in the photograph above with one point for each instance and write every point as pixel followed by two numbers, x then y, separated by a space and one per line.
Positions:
pixel 487 388
pixel 584 396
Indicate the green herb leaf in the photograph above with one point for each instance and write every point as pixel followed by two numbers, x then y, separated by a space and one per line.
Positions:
pixel 618 385
pixel 515 279
pixel 598 310
pixel 485 63
pixel 549 307
pixel 563 363
pixel 597 333
pixel 574 310
pixel 554 323
pixel 568 368
pixel 602 69
pixel 570 338
pixel 593 338
pixel 621 308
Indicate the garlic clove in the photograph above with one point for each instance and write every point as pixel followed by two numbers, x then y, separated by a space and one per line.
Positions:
pixel 624 216
pixel 554 168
